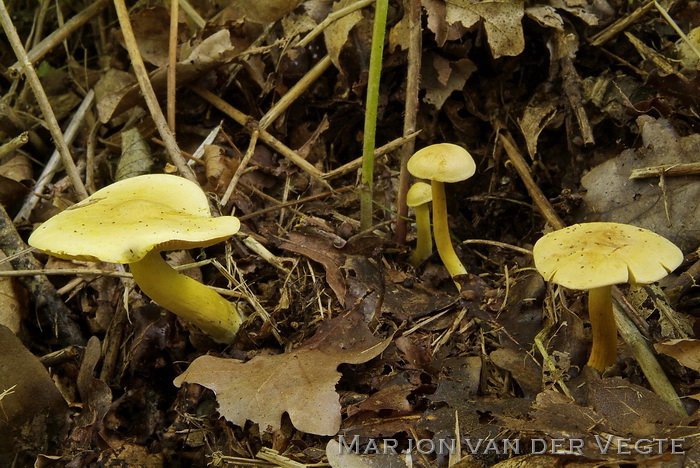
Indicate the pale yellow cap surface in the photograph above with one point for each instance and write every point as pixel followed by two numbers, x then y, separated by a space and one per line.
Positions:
pixel 124 221
pixel 420 193
pixel 591 255
pixel 443 162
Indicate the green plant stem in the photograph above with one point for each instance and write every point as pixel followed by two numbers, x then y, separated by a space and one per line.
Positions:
pixel 375 71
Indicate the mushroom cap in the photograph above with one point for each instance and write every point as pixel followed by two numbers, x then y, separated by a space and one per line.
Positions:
pixel 124 221
pixel 591 255
pixel 420 193
pixel 443 162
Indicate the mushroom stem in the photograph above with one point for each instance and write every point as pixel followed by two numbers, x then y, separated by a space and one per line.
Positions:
pixel 441 231
pixel 424 244
pixel 600 311
pixel 186 297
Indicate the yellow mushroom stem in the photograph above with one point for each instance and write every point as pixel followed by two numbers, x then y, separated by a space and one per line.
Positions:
pixel 186 297
pixel 441 231
pixel 424 244
pixel 600 311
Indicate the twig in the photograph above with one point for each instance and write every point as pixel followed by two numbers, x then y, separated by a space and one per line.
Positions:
pixel 241 167
pixel 684 169
pixel 266 137
pixel 356 163
pixel 300 201
pixel 192 13
pixel 630 333
pixel 14 144
pixel 621 24
pixel 413 11
pixel 502 245
pixel 171 85
pixel 43 101
pixel 58 36
pixel 55 159
pixel 370 128
pixel 302 85
pixel 684 282
pixel 524 172
pixel 148 93
pixel 572 85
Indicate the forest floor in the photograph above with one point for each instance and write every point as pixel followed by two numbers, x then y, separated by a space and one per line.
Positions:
pixel 349 355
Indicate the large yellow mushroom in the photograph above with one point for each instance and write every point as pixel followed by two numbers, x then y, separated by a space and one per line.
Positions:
pixel 135 219
pixel 596 256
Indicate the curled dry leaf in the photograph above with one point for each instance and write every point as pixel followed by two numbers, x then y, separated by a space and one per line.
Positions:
pixel 301 383
pixel 685 351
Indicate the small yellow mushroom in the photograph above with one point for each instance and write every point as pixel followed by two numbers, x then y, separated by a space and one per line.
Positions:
pixel 440 163
pixel 418 197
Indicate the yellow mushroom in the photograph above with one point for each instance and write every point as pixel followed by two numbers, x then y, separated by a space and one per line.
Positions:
pixel 440 163
pixel 135 219
pixel 596 256
pixel 418 197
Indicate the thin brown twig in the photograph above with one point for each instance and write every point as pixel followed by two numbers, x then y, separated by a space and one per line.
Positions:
pixel 13 145
pixel 148 94
pixel 296 202
pixel 411 113
pixel 241 167
pixel 299 87
pixel 172 65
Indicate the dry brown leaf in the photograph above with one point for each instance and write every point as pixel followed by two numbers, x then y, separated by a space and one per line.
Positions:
pixel 441 77
pixel 685 351
pixel 18 168
pixel 322 251
pixel 336 34
pixel 152 28
pixel 29 387
pixel 612 196
pixel 301 383
pixel 502 21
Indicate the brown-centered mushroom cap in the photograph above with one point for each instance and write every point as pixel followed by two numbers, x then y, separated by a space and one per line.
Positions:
pixel 420 193
pixel 591 255
pixel 124 221
pixel 442 162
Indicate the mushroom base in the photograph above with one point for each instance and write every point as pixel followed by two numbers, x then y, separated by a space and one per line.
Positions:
pixel 603 327
pixel 186 297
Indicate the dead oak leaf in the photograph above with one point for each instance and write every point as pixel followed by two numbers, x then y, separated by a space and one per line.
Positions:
pixel 301 383
pixel 502 21
pixel 685 351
